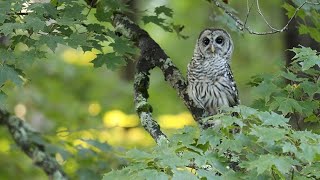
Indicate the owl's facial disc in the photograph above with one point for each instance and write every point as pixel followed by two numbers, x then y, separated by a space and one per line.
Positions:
pixel 215 42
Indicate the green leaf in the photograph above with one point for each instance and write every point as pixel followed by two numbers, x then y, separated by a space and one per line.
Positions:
pixel 247 111
pixel 266 88
pixel 8 73
pixel 105 9
pixel 44 10
pixel 235 145
pixel 168 158
pixel 34 23
pixel 306 56
pixel 27 58
pixel 7 56
pixel 97 28
pixel 217 162
pixel 290 76
pixel 268 135
pixel 308 151
pixel 266 162
pixel 111 60
pixel 151 174
pixel 103 14
pixel 136 154
pixel 310 88
pixel 272 119
pixel 51 41
pixel 309 106
pixel 3 17
pixel 286 105
pixel 158 21
pixel 123 46
pixel 77 40
pixel 8 28
pixel 120 174
pixel 211 136
pixel 290 9
pixel 183 174
pixel 207 174
pixel 75 11
pixel 313 32
pixel 153 19
pixel 163 9
pixel 310 62
pixel 86 173
pixel 5 6
pixel 312 118
pixel 312 170
pixel 288 147
pixel 3 98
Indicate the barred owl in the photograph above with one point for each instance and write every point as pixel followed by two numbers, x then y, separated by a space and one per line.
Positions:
pixel 210 80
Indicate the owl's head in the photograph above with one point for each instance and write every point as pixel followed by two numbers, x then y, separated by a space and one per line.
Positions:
pixel 215 42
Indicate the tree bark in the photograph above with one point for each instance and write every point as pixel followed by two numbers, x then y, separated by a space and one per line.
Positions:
pixel 152 55
pixel 23 136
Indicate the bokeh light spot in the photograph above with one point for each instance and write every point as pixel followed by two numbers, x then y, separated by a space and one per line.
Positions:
pixel 94 109
pixel 20 111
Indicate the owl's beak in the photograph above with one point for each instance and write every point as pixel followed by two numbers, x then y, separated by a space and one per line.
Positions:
pixel 212 49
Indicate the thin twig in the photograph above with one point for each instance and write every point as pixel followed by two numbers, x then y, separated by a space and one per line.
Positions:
pixel 265 20
pixel 248 12
pixel 242 26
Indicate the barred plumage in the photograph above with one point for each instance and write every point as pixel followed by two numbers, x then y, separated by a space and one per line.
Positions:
pixel 210 80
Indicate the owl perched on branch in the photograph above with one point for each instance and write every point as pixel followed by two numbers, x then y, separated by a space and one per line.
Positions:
pixel 210 80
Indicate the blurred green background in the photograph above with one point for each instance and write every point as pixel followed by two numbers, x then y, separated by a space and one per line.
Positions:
pixel 69 101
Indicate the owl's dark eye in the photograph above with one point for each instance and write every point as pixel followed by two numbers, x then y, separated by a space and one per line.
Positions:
pixel 219 40
pixel 206 41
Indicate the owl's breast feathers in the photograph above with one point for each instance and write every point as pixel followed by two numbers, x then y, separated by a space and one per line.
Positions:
pixel 211 84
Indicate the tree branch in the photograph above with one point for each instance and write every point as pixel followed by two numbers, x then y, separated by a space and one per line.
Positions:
pixel 152 56
pixel 242 26
pixel 22 133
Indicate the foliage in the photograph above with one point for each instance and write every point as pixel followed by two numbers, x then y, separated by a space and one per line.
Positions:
pixel 61 99
pixel 309 17
pixel 266 147
pixel 36 30
pixel 297 97
pixel 295 92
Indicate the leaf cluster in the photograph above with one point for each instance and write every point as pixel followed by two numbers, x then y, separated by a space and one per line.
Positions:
pixel 294 92
pixel 35 30
pixel 265 147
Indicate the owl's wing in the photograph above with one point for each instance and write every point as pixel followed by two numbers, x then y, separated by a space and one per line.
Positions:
pixel 235 94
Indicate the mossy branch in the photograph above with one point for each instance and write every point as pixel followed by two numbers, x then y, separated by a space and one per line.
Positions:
pixel 22 135
pixel 152 55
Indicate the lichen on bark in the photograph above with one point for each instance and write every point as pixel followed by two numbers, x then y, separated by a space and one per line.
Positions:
pixel 152 55
pixel 23 135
